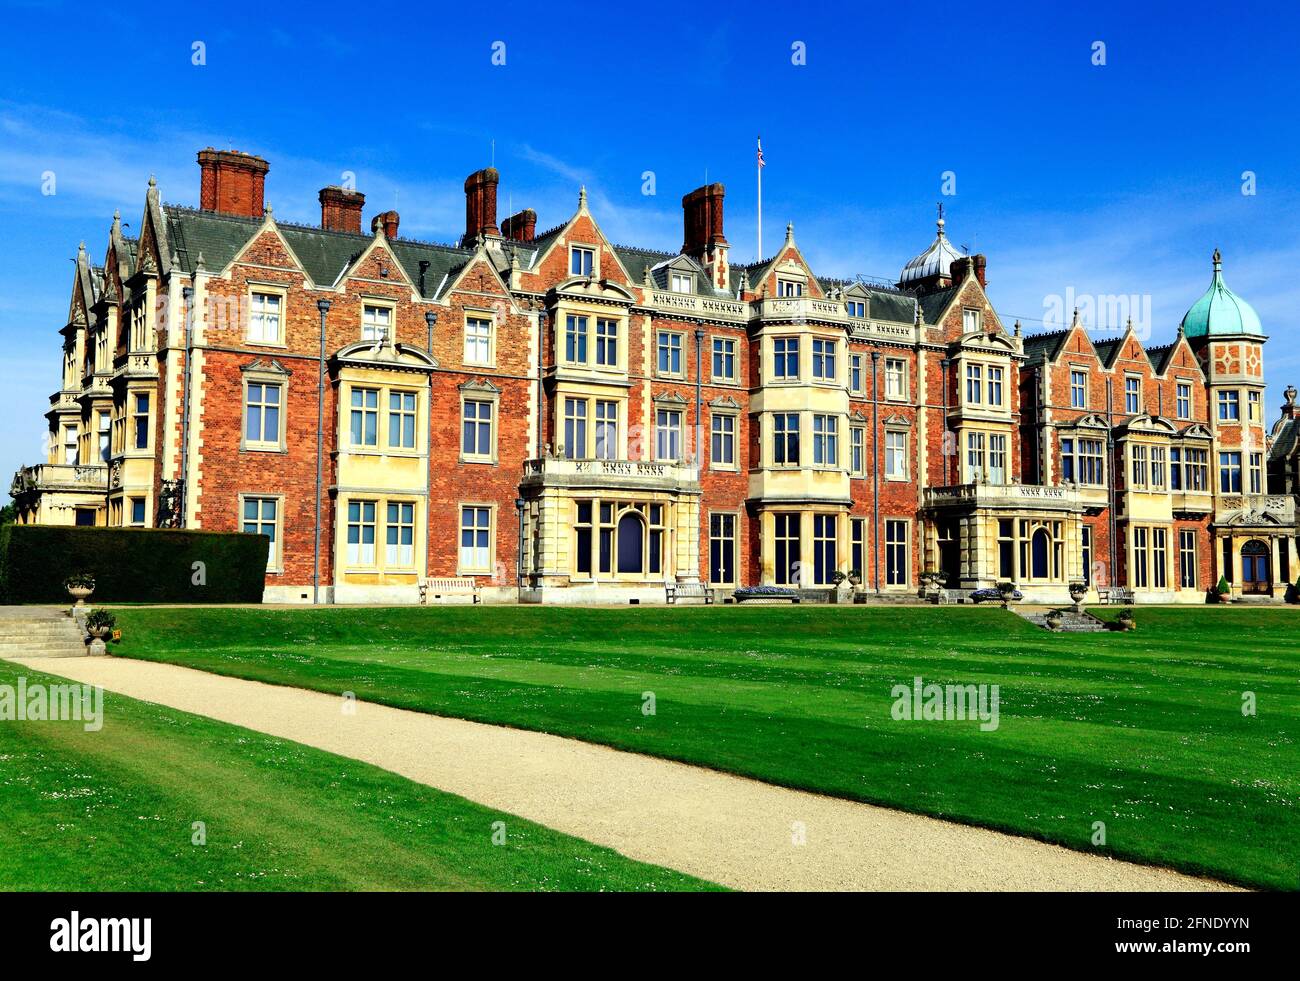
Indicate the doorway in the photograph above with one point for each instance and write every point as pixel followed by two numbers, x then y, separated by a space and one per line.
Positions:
pixel 1256 577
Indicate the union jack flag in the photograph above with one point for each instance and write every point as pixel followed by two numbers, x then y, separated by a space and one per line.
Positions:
pixel 760 153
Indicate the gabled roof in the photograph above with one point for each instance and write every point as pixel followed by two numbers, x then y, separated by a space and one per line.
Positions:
pixel 1108 350
pixel 1047 345
pixel 934 304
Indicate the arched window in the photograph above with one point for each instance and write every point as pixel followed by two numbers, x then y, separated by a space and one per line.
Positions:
pixel 1041 548
pixel 631 543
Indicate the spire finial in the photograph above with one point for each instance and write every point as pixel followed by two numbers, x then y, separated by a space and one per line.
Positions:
pixel 1218 261
pixel 1129 325
pixel 940 222
pixel 153 181
pixel 789 231
pixel 582 196
pixel 268 212
pixel 1075 321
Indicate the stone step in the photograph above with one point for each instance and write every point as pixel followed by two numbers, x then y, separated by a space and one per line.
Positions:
pixel 40 633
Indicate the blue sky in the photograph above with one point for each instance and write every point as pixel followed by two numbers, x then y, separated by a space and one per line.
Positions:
pixel 1076 179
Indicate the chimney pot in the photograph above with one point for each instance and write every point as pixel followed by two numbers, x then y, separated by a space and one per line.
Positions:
pixel 340 209
pixel 481 204
pixel 521 227
pixel 232 182
pixel 388 220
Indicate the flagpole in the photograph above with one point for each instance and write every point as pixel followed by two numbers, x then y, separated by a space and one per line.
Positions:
pixel 760 199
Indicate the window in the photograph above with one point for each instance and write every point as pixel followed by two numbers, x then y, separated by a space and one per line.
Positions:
pixel 607 430
pixel 1230 473
pixel 1157 468
pixel 1229 405
pixel 669 348
pixel 1183 400
pixel 265 318
pixel 476 429
pixel 896 553
pixel 1132 395
pixel 581 261
pixel 1140 575
pixel 365 417
pixel 361 532
pixel 71 445
pixel 138 512
pixel 400 532
pixel 261 416
pixel 997 458
pixel 896 455
pixel 786 559
pixel 857 452
pixel 788 287
pixel 785 358
pixel 995 385
pixel 975 456
pixel 971 320
pixel 1138 458
pixel 478 340
pixel 724 359
pixel 139 328
pixel 476 539
pixel 858 546
pixel 823 359
pixel 1078 389
pixel 575 429
pixel 825 440
pixel 1252 406
pixel 668 434
pixel 855 374
pixel 1257 473
pixel 856 308
pixel 1175 468
pixel 401 420
pixel 582 538
pixel 825 537
pixel 1006 549
pixel 895 378
pixel 140 421
pixel 261 517
pixel 1159 558
pixel 105 436
pixel 785 439
pixel 607 342
pixel 376 322
pixel 575 339
pixel 1188 569
pixel 683 283
pixel 974 384
pixel 722 549
pixel 722 440
pixel 1087 554
pixel 1197 469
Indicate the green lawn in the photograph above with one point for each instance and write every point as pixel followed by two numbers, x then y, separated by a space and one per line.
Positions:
pixel 115 810
pixel 1141 731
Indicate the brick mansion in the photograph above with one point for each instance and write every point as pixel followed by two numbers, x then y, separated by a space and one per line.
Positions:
pixel 564 419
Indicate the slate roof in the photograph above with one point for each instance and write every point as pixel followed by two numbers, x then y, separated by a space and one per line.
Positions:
pixel 1284 439
pixel 1046 345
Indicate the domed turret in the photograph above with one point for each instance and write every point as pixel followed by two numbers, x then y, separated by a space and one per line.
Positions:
pixel 932 264
pixel 1220 311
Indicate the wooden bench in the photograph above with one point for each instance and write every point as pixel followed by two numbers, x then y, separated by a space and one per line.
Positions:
pixel 436 589
pixel 1115 596
pixel 688 590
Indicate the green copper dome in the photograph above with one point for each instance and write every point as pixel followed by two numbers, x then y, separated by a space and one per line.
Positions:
pixel 1220 311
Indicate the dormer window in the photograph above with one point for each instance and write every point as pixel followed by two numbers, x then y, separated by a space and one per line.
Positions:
pixel 789 287
pixel 581 260
pixel 856 308
pixel 682 283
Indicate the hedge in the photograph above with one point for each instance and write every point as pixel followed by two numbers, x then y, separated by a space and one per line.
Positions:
pixel 131 565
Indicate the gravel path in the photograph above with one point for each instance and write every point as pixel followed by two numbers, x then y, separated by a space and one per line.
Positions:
pixel 727 829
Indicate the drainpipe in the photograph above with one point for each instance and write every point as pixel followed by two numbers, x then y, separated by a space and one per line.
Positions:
pixel 541 347
pixel 188 294
pixel 430 319
pixel 699 441
pixel 875 471
pixel 1110 474
pixel 947 455
pixel 519 559
pixel 323 306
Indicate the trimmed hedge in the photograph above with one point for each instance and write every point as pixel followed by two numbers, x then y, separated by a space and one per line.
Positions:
pixel 131 565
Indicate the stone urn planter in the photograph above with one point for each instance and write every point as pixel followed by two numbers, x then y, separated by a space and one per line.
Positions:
pixel 1054 619
pixel 79 587
pixel 1126 621
pixel 1078 590
pixel 99 625
pixel 1006 590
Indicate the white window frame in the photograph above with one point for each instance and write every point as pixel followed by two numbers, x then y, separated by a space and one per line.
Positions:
pixel 257 313
pixel 728 433
pixel 896 456
pixel 479 342
pixel 477 564
pixel 371 328
pixel 275 554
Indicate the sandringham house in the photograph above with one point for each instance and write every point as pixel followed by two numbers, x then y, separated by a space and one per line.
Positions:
pixel 562 419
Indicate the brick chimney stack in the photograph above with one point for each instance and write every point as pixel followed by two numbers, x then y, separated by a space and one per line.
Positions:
pixel 481 205
pixel 232 182
pixel 703 237
pixel 981 268
pixel 388 220
pixel 340 209
pixel 521 227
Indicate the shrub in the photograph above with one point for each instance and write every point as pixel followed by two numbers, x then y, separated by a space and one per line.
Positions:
pixel 131 564
pixel 100 617
pixel 1223 587
pixel 79 580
